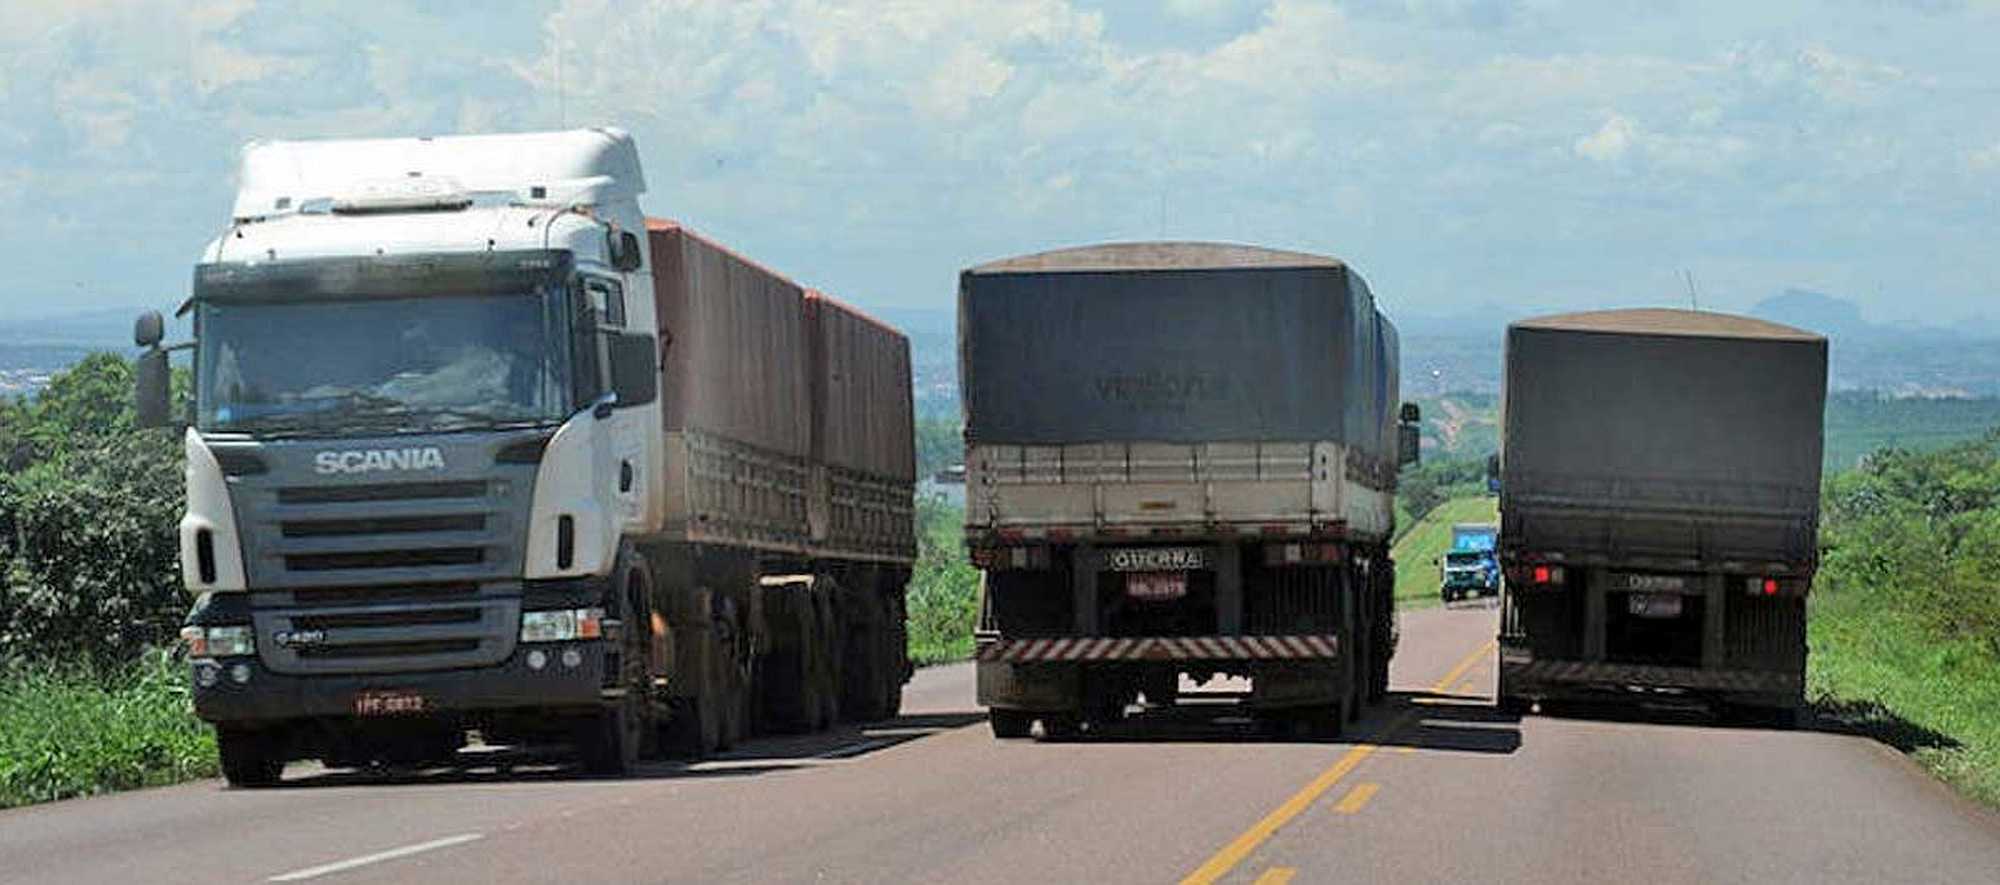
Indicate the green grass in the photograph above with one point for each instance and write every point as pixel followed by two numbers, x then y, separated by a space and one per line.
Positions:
pixel 1417 550
pixel 66 733
pixel 1881 672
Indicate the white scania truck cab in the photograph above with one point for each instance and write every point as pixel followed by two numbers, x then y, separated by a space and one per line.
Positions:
pixel 425 428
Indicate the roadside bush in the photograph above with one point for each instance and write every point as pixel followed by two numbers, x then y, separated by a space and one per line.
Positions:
pixel 1905 619
pixel 943 601
pixel 72 731
pixel 1921 532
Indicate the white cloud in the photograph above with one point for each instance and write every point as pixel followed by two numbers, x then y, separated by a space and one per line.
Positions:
pixel 1986 159
pixel 1610 142
pixel 932 131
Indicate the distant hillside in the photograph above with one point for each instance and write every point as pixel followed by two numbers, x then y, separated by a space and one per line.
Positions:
pixel 1815 312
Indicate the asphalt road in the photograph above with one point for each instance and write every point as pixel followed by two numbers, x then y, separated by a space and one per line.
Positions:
pixel 1433 787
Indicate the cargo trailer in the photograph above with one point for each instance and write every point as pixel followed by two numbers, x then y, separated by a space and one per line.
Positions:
pixel 1180 461
pixel 1659 504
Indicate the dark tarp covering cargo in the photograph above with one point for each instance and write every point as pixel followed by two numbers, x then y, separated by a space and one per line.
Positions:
pixel 1677 419
pixel 1174 342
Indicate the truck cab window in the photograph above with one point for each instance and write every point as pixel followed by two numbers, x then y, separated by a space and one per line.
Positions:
pixel 586 346
pixel 608 297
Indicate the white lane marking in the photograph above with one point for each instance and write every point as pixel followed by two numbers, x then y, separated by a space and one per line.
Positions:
pixel 379 856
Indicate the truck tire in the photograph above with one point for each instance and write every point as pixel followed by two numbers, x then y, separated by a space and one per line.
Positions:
pixel 1061 726
pixel 1010 724
pixel 1326 723
pixel 249 758
pixel 694 730
pixel 1778 718
pixel 825 651
pixel 786 683
pixel 865 695
pixel 612 742
pixel 608 743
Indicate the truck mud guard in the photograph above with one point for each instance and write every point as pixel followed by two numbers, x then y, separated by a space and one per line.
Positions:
pixel 1161 648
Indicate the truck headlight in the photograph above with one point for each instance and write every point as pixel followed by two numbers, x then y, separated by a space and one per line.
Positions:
pixel 562 625
pixel 219 642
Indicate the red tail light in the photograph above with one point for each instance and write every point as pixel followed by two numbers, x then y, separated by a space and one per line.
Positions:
pixel 1541 574
pixel 1770 586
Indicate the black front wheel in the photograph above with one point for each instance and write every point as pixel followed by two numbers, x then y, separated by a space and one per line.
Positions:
pixel 249 758
pixel 1010 723
pixel 609 743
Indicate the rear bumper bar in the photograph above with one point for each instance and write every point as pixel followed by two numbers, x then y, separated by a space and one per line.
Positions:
pixel 1527 676
pixel 1160 648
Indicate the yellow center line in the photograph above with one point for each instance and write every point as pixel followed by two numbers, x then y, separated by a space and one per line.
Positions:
pixel 1232 854
pixel 1356 798
pixel 1277 876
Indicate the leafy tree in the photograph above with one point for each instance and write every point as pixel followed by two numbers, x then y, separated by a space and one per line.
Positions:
pixel 940 444
pixel 88 511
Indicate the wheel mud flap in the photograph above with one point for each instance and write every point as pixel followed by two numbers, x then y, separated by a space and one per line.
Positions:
pixel 1030 686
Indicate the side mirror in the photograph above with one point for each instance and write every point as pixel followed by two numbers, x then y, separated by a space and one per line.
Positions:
pixel 1493 473
pixel 635 369
pixel 151 382
pixel 1410 414
pixel 625 254
pixel 1407 443
pixel 148 329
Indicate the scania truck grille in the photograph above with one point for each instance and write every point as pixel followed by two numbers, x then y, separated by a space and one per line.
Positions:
pixel 383 533
pixel 365 630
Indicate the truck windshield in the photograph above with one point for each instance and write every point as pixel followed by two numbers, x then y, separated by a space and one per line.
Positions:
pixel 436 362
pixel 1465 558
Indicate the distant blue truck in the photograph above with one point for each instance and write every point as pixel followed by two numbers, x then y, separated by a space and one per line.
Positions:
pixel 1470 566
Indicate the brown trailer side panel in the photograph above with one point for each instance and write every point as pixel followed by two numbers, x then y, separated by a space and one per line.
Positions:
pixel 736 344
pixel 862 416
pixel 787 418
pixel 862 430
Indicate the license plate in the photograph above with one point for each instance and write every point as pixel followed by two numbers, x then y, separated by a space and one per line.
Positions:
pixel 389 703
pixel 1641 583
pixel 1156 559
pixel 1654 605
pixel 1154 586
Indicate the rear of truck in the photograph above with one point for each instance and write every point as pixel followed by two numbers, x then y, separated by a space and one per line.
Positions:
pixel 1659 508
pixel 1180 460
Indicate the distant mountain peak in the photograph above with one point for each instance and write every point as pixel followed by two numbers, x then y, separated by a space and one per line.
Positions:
pixel 1813 311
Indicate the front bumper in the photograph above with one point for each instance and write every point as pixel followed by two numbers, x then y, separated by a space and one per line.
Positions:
pixel 267 696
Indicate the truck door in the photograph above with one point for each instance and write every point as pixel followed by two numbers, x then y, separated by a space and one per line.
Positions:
pixel 626 426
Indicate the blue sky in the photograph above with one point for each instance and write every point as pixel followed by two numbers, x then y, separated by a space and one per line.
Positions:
pixel 1458 152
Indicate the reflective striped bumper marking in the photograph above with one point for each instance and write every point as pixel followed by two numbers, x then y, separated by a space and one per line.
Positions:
pixel 1160 648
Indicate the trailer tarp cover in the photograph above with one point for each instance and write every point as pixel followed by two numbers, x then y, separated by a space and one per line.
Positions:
pixel 1173 342
pixel 1664 411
